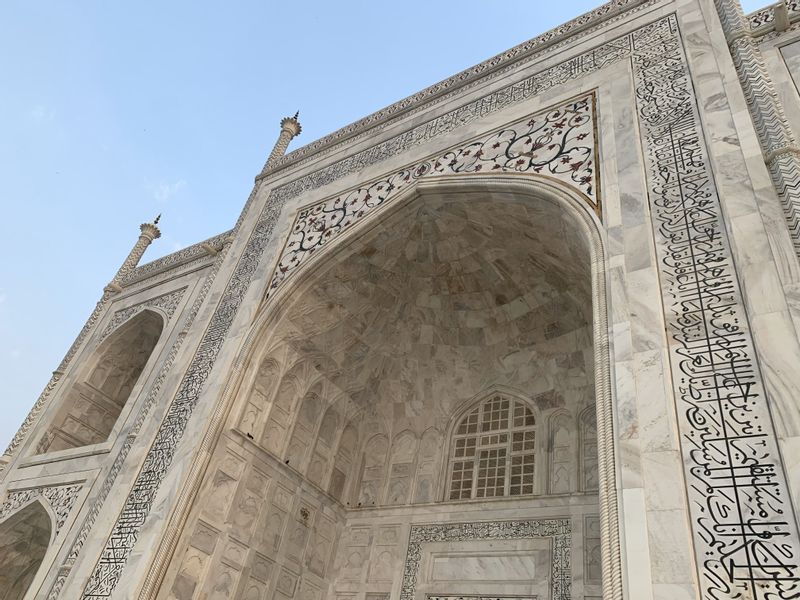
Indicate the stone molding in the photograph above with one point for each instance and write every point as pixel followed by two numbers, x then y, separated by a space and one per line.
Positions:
pixel 166 302
pixel 60 499
pixel 762 21
pixel 558 530
pixel 459 83
pixel 182 259
pixel 778 143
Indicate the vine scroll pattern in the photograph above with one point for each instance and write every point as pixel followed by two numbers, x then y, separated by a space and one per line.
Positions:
pixel 559 143
pixel 60 498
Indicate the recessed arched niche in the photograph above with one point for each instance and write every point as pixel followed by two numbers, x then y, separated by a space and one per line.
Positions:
pixel 24 539
pixel 440 359
pixel 459 307
pixel 91 406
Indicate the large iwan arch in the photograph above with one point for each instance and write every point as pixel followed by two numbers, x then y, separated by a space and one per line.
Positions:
pixel 464 285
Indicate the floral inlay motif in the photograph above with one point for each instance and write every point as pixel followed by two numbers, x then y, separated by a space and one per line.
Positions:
pixel 559 143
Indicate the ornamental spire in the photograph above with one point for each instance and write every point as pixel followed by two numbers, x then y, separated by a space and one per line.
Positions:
pixel 149 232
pixel 290 128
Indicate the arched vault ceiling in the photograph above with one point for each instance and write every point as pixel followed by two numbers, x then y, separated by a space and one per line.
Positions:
pixel 447 296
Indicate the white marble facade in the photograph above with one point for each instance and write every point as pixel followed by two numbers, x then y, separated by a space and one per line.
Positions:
pixel 529 333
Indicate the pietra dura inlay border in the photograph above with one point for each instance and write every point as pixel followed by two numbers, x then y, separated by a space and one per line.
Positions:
pixel 559 143
pixel 558 530
pixel 746 540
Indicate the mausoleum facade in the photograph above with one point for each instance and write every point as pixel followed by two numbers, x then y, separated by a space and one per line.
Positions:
pixel 530 333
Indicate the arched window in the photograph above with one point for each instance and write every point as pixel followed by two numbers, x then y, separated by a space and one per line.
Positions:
pixel 96 399
pixel 493 450
pixel 24 538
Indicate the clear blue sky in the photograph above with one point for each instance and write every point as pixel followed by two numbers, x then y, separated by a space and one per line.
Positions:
pixel 111 113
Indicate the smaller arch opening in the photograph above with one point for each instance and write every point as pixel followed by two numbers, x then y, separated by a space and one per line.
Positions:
pixel 493 450
pixel 24 539
pixel 94 402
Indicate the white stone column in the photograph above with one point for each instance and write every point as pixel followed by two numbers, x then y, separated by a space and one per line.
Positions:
pixel 778 143
pixel 149 233
pixel 290 128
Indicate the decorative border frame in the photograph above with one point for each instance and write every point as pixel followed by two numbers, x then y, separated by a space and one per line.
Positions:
pixel 558 530
pixel 744 527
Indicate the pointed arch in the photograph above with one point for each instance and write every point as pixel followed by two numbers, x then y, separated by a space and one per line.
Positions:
pixel 324 446
pixel 343 462
pixel 265 382
pixel 493 448
pixel 24 539
pixel 91 406
pixel 305 423
pixel 588 463
pixel 560 453
pixel 373 475
pixel 401 467
pixel 519 189
pixel 288 390
pixel 428 460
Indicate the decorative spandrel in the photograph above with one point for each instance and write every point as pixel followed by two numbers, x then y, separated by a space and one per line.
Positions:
pixel 167 302
pixel 61 500
pixel 558 142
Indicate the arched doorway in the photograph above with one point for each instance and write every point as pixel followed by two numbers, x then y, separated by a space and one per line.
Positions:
pixel 419 406
pixel 92 405
pixel 24 538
